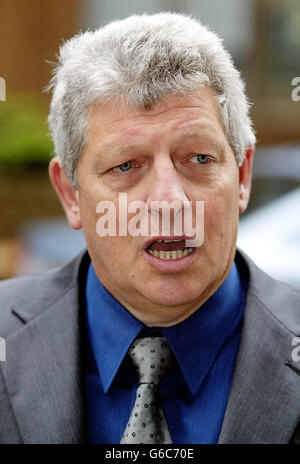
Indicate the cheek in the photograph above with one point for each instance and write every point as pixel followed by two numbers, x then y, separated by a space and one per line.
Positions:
pixel 88 214
pixel 222 212
pixel 112 248
pixel 90 194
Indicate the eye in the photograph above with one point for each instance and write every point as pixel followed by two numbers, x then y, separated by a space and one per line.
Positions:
pixel 201 159
pixel 124 167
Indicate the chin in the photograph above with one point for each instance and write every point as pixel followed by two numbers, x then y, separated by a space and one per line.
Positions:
pixel 172 295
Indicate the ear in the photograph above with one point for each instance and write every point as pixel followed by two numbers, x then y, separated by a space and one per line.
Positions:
pixel 67 194
pixel 245 177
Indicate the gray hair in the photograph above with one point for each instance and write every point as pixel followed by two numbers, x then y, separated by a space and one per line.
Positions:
pixel 143 59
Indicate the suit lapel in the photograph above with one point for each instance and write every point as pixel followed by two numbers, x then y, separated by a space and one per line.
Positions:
pixel 263 405
pixel 45 366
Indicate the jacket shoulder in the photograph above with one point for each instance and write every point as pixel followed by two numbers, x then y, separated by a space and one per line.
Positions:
pixel 280 300
pixel 23 298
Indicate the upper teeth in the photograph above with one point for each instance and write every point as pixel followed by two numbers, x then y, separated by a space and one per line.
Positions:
pixel 176 254
pixel 169 241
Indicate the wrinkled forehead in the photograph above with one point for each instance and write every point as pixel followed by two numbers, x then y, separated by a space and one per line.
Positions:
pixel 116 117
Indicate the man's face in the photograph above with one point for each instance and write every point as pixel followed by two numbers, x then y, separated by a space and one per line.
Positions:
pixel 153 155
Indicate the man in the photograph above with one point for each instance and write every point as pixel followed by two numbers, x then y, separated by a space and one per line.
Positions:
pixel 145 338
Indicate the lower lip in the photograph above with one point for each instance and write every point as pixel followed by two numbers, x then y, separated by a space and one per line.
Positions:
pixel 171 265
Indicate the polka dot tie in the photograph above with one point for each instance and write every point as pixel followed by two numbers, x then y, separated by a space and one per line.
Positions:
pixel 151 356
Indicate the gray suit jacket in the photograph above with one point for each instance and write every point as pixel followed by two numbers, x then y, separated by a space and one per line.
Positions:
pixel 42 380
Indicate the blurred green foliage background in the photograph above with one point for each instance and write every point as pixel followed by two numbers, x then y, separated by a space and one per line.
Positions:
pixel 24 139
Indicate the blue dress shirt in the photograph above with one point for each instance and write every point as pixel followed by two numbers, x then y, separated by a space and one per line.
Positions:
pixel 195 391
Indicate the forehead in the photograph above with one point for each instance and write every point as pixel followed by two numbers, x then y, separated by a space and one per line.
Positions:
pixel 116 119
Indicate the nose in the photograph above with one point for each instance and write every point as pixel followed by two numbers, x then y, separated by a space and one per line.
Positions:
pixel 165 183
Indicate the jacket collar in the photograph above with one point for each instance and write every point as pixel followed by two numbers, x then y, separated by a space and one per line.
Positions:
pixel 45 363
pixel 263 405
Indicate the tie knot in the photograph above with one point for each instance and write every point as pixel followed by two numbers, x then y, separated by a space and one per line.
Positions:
pixel 152 356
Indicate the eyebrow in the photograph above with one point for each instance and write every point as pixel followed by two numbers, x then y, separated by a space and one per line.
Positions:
pixel 117 150
pixel 204 133
pixel 201 132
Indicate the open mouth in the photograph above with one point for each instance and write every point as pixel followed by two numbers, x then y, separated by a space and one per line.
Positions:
pixel 169 249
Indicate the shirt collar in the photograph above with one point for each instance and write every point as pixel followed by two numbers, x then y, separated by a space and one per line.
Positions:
pixel 111 329
pixel 195 342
